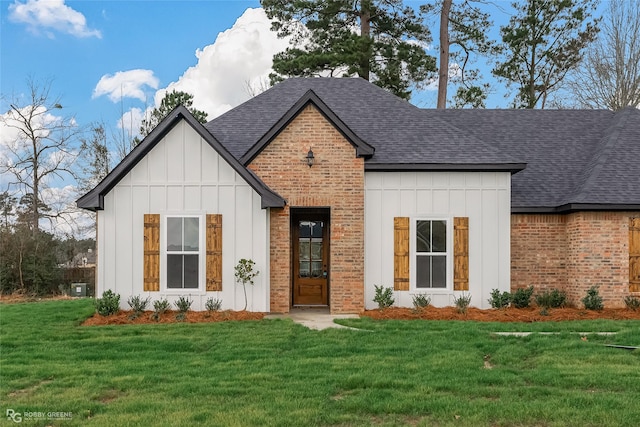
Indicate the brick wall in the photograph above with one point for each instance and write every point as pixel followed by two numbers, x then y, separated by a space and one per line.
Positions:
pixel 572 253
pixel 335 181
pixel 538 251
pixel 598 244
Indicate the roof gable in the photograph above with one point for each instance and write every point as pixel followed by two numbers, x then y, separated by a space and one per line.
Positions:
pixel 309 98
pixel 94 199
pixel 402 136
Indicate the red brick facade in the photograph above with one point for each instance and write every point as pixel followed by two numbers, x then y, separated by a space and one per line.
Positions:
pixel 572 253
pixel 336 181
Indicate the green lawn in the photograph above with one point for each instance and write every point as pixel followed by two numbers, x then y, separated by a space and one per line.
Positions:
pixel 277 373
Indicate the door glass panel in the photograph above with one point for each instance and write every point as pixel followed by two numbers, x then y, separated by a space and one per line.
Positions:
pixel 310 251
pixel 316 269
pixel 304 250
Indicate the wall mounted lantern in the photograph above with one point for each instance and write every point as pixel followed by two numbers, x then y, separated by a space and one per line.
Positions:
pixel 310 158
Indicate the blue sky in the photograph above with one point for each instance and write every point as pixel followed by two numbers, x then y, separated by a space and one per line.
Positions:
pixel 90 48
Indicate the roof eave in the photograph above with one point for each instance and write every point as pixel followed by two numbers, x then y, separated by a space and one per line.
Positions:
pixel 575 207
pixel 445 167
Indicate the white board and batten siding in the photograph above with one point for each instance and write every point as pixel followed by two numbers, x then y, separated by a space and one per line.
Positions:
pixel 483 197
pixel 183 175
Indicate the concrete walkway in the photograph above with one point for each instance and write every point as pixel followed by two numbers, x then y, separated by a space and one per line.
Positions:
pixel 314 318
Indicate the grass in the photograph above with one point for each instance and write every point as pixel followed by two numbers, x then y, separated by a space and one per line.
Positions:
pixel 277 373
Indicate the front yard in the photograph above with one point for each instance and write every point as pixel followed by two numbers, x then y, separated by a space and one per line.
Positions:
pixel 276 373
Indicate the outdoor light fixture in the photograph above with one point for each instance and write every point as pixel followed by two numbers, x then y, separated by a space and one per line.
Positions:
pixel 310 158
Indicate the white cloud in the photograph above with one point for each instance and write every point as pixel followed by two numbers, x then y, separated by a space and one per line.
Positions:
pixel 131 120
pixel 239 57
pixel 126 84
pixel 47 15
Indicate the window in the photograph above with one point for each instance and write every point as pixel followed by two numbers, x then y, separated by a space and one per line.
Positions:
pixel 183 250
pixel 431 254
pixel 310 249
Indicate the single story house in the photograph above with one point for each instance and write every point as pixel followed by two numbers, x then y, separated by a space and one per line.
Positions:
pixel 333 186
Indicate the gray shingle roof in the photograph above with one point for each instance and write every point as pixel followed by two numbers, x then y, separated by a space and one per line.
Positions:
pixel 396 129
pixel 574 157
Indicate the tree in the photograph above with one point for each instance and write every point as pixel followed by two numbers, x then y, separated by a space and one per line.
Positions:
pixel 464 30
pixel 170 101
pixel 609 76
pixel 43 147
pixel 542 43
pixel 95 159
pixel 379 40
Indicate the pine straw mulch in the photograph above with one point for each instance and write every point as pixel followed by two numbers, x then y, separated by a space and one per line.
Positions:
pixel 124 317
pixel 526 315
pixel 511 314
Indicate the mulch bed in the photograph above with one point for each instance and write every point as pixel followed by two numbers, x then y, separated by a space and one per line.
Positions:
pixel 430 313
pixel 125 317
pixel 510 314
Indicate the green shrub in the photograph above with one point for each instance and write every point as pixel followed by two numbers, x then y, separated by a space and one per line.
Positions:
pixel 421 300
pixel 384 297
pixel 160 307
pixel 632 303
pixel 521 298
pixel 551 299
pixel 499 299
pixel 109 303
pixel 138 305
pixel 213 304
pixel 183 304
pixel 462 302
pixel 593 300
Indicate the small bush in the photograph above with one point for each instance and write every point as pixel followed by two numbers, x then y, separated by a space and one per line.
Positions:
pixel 109 303
pixel 551 299
pixel 421 300
pixel 521 298
pixel 593 300
pixel 499 299
pixel 632 303
pixel 384 297
pixel 183 304
pixel 462 302
pixel 138 305
pixel 160 307
pixel 213 304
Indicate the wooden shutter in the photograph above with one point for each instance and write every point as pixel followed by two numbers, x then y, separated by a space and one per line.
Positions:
pixel 634 254
pixel 401 254
pixel 151 252
pixel 214 252
pixel 461 254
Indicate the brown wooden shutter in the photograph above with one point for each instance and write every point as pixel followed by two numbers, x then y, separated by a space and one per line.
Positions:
pixel 214 252
pixel 634 254
pixel 461 254
pixel 151 252
pixel 401 254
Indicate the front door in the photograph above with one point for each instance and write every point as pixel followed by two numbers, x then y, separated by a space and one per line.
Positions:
pixel 310 247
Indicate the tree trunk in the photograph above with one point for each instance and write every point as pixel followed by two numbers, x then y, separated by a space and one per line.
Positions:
pixel 365 34
pixel 443 79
